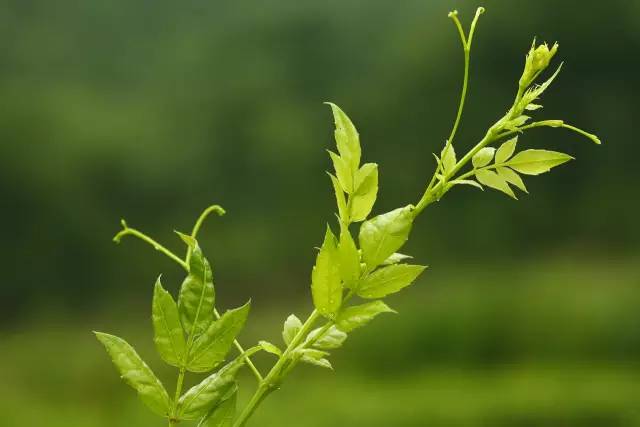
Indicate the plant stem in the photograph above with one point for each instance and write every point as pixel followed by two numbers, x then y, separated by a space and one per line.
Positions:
pixel 157 246
pixel 271 379
pixel 196 227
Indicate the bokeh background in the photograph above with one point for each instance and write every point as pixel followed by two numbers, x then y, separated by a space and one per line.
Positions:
pixel 151 110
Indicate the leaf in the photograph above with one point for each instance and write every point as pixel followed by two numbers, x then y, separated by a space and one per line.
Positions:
pixel 326 287
pixel 197 295
pixel 466 182
pixel 136 373
pixel 359 315
pixel 535 162
pixel 493 180
pixel 222 415
pixel 168 333
pixel 347 138
pixel 211 348
pixel 340 199
pixel 384 234
pixel 505 151
pixel 201 398
pixel 270 348
pixel 343 172
pixel 331 339
pixel 533 107
pixel 348 258
pixel 483 157
pixel 396 258
pixel 512 177
pixel 315 357
pixel 389 280
pixel 291 328
pixel 366 191
pixel 448 158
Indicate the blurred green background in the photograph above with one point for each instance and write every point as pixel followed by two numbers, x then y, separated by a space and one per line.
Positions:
pixel 151 110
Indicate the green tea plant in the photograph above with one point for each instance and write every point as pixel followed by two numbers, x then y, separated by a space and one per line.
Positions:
pixel 351 276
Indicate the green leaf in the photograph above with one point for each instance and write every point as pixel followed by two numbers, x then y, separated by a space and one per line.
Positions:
pixel 211 348
pixel 331 338
pixel 291 328
pixel 466 182
pixel 384 234
pixel 347 138
pixel 448 156
pixel 197 295
pixel 389 280
pixel 512 178
pixel 348 258
pixel 222 415
pixel 200 399
pixel 366 191
pixel 493 180
pixel 483 157
pixel 505 151
pixel 270 348
pixel 315 357
pixel 340 199
pixel 396 258
pixel 343 172
pixel 535 162
pixel 168 333
pixel 533 107
pixel 359 315
pixel 326 287
pixel 136 373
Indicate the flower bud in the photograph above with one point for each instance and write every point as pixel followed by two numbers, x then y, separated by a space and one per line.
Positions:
pixel 537 60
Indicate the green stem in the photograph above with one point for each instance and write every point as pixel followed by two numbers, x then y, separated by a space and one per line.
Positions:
pixel 157 246
pixel 196 227
pixel 269 382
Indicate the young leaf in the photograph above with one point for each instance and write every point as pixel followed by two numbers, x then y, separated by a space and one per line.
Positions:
pixel 493 180
pixel 505 151
pixel 466 182
pixel 359 315
pixel 483 157
pixel 136 373
pixel 222 415
pixel 270 348
pixel 197 295
pixel 448 159
pixel 396 258
pixel 326 287
pixel 535 162
pixel 315 357
pixel 331 339
pixel 348 258
pixel 384 234
pixel 211 348
pixel 291 328
pixel 168 333
pixel 389 280
pixel 512 178
pixel 340 199
pixel 343 172
pixel 366 191
pixel 200 399
pixel 347 138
